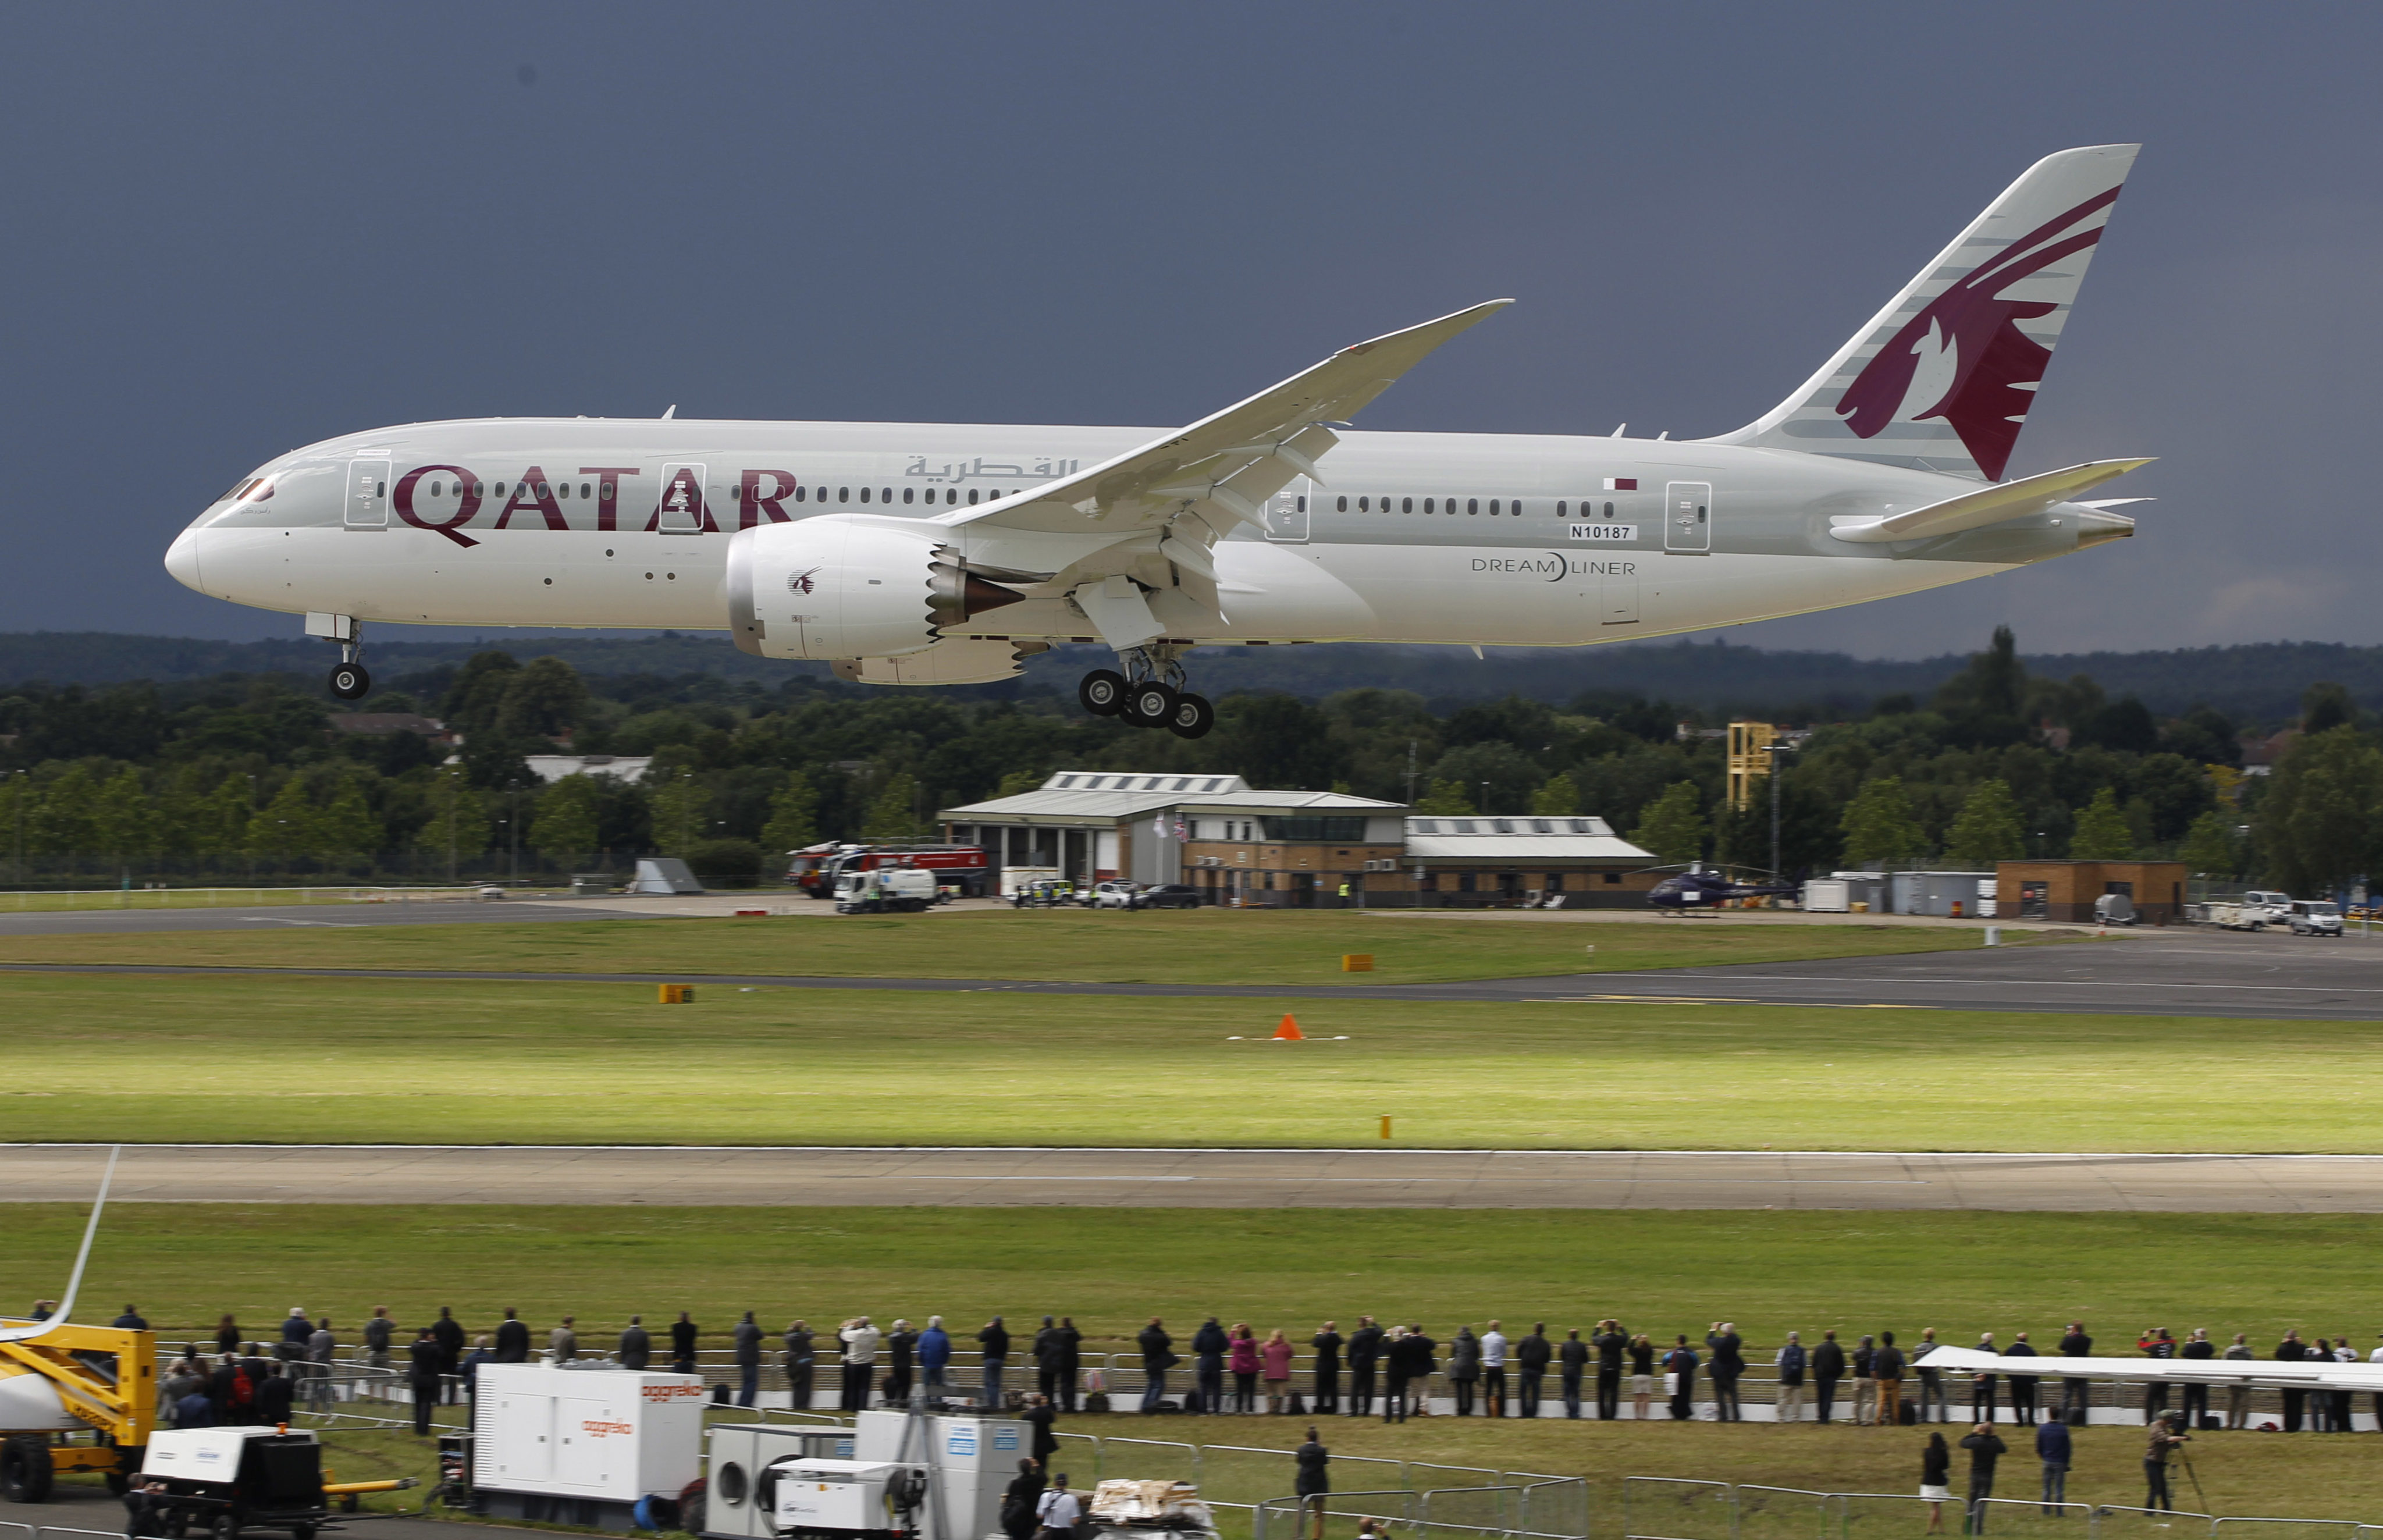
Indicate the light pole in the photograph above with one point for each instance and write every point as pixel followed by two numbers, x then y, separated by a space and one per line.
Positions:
pixel 1774 750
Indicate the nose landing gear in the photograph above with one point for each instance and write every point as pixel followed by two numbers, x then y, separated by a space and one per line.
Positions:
pixel 1153 696
pixel 350 681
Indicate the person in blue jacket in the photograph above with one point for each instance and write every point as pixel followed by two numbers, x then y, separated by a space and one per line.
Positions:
pixel 2053 1447
pixel 934 1355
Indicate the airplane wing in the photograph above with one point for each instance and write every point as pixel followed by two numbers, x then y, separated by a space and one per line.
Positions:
pixel 1988 505
pixel 1223 467
pixel 2304 1374
pixel 74 1282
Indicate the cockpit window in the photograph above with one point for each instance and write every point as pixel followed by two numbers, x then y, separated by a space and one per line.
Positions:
pixel 254 489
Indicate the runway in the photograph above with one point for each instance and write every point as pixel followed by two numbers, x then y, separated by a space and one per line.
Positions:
pixel 2198 973
pixel 1200 1178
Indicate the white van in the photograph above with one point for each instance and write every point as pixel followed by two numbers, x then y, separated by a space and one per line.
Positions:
pixel 2314 917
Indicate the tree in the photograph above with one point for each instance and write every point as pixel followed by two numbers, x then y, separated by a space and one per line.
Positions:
pixel 2103 832
pixel 1012 784
pixel 1988 828
pixel 2209 847
pixel 459 818
pixel 284 829
pixel 546 699
pixel 2325 706
pixel 124 820
pixel 794 814
pixel 1673 828
pixel 1446 798
pixel 2320 822
pixel 479 693
pixel 1560 797
pixel 62 823
pixel 681 804
pixel 566 818
pixel 893 815
pixel 1502 777
pixel 1879 826
pixel 347 832
pixel 219 823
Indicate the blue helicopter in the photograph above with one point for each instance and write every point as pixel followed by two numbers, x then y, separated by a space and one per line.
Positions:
pixel 1697 889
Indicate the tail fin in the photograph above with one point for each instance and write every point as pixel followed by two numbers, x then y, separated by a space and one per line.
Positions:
pixel 1942 378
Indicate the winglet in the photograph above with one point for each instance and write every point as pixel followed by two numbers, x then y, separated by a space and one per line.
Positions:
pixel 74 1283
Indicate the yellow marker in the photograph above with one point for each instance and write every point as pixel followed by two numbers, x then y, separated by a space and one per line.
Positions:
pixel 1356 962
pixel 678 994
pixel 1386 1125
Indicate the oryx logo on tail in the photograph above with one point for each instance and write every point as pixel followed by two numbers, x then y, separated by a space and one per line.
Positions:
pixel 1963 358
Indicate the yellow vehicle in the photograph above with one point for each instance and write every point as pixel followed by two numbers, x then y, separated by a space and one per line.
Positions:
pixel 74 1399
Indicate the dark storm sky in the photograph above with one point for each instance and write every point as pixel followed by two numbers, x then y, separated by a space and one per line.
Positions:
pixel 234 229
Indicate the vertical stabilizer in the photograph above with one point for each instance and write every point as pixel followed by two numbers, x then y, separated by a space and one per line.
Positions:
pixel 1942 378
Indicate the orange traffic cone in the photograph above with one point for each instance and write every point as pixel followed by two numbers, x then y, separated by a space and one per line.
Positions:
pixel 1288 1031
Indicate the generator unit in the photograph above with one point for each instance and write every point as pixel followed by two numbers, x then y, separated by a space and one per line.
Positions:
pixel 226 1480
pixel 581 1446
pixel 737 1455
pixel 938 1477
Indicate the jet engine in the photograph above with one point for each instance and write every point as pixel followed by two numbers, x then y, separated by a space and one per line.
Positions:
pixel 846 585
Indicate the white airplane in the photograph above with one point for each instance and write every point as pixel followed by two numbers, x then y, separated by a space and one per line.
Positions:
pixel 945 553
pixel 2304 1374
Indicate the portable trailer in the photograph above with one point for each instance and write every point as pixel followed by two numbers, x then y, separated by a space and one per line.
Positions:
pixel 582 1445
pixel 227 1480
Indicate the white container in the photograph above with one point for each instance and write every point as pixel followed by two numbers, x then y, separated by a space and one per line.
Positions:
pixel 1827 897
pixel 846 1494
pixel 616 1435
pixel 197 1454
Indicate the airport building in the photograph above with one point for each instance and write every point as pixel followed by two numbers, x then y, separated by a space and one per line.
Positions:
pixel 1294 849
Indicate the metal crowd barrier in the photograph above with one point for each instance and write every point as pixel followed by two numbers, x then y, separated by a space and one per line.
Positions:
pixel 1665 1507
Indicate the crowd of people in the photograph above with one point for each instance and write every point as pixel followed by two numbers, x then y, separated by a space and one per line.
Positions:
pixel 1389 1369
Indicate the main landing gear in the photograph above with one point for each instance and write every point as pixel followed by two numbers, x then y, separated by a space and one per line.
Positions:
pixel 1152 697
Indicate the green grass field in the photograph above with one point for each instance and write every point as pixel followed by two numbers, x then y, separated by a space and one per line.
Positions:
pixel 298 1060
pixel 1112 1269
pixel 1198 946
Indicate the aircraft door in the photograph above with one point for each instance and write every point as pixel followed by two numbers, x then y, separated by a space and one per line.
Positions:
pixel 1688 517
pixel 1286 514
pixel 683 511
pixel 367 504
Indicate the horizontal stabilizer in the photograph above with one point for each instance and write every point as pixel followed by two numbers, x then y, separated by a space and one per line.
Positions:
pixel 1989 505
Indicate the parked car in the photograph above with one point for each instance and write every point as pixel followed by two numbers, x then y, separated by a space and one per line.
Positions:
pixel 1168 896
pixel 2314 917
pixel 1043 892
pixel 1116 893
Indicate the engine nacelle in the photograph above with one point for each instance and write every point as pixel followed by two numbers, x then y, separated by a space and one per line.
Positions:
pixel 849 586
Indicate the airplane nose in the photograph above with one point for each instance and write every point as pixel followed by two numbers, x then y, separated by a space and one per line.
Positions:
pixel 182 559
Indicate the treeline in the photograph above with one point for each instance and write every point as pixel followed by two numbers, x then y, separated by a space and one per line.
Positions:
pixel 244 774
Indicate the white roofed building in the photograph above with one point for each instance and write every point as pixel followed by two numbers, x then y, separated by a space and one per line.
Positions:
pixel 1473 862
pixel 1214 831
pixel 1296 849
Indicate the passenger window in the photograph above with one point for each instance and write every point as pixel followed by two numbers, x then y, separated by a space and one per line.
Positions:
pixel 907 493
pixel 1609 511
pixel 1364 505
pixel 1473 505
pixel 434 488
pixel 500 489
pixel 583 490
pixel 604 493
pixel 1426 505
pixel 477 489
pixel 1559 508
pixel 1493 507
pixel 1406 505
pixel 1341 505
pixel 562 489
pixel 864 493
pixel 951 493
pixel 541 489
pixel 885 494
pixel 1518 508
pixel 844 494
pixel 799 492
pixel 971 496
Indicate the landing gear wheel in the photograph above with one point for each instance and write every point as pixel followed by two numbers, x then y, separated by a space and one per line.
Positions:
pixel 1102 692
pixel 350 682
pixel 26 1470
pixel 226 1527
pixel 1192 717
pixel 1149 704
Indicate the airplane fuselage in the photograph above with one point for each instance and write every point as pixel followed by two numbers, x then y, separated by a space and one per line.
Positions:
pixel 1469 539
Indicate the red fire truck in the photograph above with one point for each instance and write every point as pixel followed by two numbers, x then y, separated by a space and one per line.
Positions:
pixel 962 867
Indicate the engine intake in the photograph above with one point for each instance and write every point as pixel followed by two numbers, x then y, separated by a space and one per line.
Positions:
pixel 849 586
